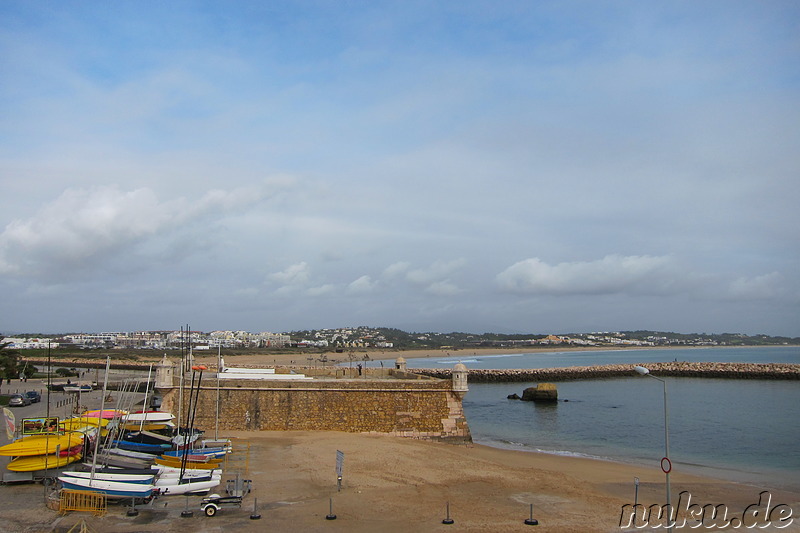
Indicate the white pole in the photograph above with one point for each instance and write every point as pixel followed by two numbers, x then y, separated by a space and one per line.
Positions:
pixel 100 418
pixel 645 372
pixel 180 390
pixel 219 369
pixel 666 454
pixel 146 391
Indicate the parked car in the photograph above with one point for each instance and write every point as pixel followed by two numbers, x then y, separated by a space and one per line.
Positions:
pixel 18 400
pixel 34 396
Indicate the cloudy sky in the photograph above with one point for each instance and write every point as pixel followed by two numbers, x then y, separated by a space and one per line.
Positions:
pixel 536 167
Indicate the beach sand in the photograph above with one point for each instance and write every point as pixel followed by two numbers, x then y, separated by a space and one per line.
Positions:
pixel 302 358
pixel 391 484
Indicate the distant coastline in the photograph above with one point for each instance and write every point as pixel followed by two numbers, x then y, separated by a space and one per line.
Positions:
pixel 313 358
pixel 376 354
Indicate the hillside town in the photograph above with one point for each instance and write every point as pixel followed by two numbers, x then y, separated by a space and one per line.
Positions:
pixel 370 337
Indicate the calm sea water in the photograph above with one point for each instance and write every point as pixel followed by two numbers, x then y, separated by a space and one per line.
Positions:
pixel 743 430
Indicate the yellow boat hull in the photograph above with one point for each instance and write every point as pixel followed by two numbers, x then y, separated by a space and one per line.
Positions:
pixel 86 421
pixel 33 463
pixel 41 444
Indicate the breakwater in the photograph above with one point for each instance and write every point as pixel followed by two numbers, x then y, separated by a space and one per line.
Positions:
pixel 672 369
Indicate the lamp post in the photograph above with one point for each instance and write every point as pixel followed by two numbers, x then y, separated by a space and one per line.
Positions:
pixel 668 467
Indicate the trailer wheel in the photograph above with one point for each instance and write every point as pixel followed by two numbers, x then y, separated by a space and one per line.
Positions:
pixel 210 510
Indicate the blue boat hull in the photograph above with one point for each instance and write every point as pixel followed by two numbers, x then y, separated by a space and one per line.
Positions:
pixel 141 447
pixel 211 452
pixel 135 492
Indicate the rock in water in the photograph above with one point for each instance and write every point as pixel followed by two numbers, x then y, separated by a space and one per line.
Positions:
pixel 543 392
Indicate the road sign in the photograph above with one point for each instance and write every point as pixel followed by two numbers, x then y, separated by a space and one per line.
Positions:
pixel 339 462
pixel 339 468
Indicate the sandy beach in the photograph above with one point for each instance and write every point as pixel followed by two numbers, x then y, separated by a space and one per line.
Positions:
pixel 302 358
pixel 397 485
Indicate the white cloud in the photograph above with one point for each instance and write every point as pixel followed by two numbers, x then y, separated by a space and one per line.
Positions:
pixel 757 288
pixel 83 227
pixel 362 285
pixel 435 279
pixel 438 271
pixel 294 275
pixel 612 274
pixel 322 290
pixel 248 292
pixel 396 269
pixel 443 288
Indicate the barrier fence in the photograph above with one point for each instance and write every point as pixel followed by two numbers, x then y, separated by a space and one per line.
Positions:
pixel 84 501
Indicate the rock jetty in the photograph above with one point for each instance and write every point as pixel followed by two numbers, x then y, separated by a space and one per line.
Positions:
pixel 673 369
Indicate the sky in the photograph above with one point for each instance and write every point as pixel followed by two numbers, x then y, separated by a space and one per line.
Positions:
pixel 508 167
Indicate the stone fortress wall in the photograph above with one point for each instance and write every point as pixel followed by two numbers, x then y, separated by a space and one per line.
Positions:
pixel 385 401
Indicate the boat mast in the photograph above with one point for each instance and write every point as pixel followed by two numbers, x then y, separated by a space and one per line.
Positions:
pixel 146 390
pixel 49 382
pixel 100 418
pixel 180 386
pixel 219 369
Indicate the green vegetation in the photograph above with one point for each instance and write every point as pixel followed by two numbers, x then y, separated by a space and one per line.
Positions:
pixel 66 372
pixel 9 362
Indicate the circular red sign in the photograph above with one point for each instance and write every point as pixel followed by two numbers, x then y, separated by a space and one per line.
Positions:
pixel 666 465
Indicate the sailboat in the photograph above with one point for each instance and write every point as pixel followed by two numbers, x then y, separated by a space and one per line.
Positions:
pixel 114 476
pixel 186 485
pixel 183 484
pixel 112 489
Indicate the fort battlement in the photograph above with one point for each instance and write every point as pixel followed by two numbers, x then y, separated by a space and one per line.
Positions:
pixel 385 401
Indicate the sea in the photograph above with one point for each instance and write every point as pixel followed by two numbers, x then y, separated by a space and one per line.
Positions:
pixel 735 429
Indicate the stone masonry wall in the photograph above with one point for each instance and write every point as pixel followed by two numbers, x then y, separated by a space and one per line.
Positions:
pixel 410 408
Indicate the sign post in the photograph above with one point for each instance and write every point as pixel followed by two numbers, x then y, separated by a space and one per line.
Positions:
pixel 339 469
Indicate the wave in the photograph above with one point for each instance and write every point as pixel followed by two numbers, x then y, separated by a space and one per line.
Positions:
pixel 503 355
pixel 521 446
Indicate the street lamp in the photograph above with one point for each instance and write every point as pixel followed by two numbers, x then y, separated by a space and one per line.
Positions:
pixel 666 464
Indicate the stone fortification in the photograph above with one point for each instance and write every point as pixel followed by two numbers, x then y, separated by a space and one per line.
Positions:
pixel 394 404
pixel 674 369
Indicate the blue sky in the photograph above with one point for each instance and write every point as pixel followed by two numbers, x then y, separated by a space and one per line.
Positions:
pixel 453 166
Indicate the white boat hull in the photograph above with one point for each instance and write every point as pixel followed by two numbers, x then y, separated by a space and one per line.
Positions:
pixel 150 417
pixel 171 487
pixel 112 489
pixel 107 476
